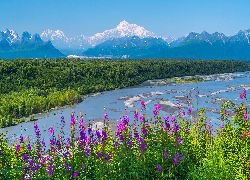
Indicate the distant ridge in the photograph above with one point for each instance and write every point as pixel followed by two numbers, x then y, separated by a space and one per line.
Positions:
pixel 210 46
pixel 82 43
pixel 12 46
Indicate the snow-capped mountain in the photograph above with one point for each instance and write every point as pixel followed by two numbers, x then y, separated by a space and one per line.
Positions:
pixel 9 35
pixel 122 30
pixel 12 46
pixel 60 41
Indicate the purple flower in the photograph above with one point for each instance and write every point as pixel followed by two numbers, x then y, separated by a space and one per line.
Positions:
pixel 155 113
pixel 104 134
pixel 67 168
pixel 21 139
pixel 99 155
pixel 43 143
pixel 89 130
pixel 158 167
pixel 183 112
pixel 157 107
pixel 97 133
pixel 137 135
pixel 136 115
pixel 50 170
pixel 142 145
pixel 176 128
pixel 28 147
pixel 38 155
pixel 25 156
pixel 75 175
pixel 31 162
pixel 38 166
pixel 142 119
pixel 116 144
pixel 18 147
pixel 121 138
pixel 106 116
pixel 51 131
pixel 175 160
pixel 167 156
pixel 87 152
pixel 144 132
pixel 67 153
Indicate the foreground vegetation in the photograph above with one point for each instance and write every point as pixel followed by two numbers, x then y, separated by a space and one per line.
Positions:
pixel 177 147
pixel 29 86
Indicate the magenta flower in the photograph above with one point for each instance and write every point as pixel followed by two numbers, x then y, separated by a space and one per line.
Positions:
pixel 48 157
pixel 31 162
pixel 158 167
pixel 183 112
pixel 226 112
pixel 144 132
pixel 142 119
pixel 175 160
pixel 189 110
pixel 75 175
pixel 106 116
pixel 136 115
pixel 51 131
pixel 245 117
pixel 72 120
pixel 21 139
pixel 158 107
pixel 155 113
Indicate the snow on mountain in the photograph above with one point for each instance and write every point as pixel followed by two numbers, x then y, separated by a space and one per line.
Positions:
pixel 123 29
pixel 10 35
pixel 169 39
pixel 60 41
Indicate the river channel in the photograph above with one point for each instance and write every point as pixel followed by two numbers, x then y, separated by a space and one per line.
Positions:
pixel 210 94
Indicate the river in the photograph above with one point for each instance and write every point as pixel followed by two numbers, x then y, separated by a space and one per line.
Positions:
pixel 211 94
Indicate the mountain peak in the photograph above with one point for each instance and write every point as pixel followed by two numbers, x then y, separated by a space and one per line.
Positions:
pixel 123 23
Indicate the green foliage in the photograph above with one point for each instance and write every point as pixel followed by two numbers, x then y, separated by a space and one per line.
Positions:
pixel 29 86
pixel 182 151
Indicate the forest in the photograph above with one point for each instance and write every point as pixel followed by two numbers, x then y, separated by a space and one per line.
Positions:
pixel 29 86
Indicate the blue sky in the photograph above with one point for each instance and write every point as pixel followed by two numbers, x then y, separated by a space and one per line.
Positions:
pixel 87 17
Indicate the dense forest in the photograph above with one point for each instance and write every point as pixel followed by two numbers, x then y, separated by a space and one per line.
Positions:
pixel 29 86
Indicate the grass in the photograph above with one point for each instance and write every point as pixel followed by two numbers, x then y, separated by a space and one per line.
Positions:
pixel 176 147
pixel 182 80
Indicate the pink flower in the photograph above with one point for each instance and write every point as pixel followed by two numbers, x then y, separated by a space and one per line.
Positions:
pixel 51 131
pixel 183 112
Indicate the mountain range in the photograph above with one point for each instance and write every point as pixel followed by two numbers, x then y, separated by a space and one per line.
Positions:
pixel 209 46
pixel 12 46
pixel 126 41
pixel 81 43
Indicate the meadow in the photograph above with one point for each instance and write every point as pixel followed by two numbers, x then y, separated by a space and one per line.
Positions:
pixel 172 147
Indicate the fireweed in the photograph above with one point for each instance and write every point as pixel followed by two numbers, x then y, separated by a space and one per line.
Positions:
pixel 173 147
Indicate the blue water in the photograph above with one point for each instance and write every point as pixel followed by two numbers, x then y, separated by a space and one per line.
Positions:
pixel 93 107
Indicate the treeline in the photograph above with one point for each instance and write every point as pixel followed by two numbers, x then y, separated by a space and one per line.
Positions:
pixel 29 86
